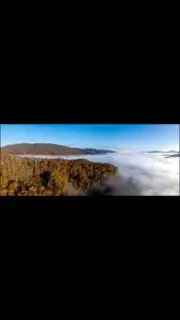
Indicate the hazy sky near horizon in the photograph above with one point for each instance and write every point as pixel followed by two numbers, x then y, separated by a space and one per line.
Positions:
pixel 136 136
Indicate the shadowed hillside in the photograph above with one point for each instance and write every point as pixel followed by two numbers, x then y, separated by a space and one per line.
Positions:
pixel 51 177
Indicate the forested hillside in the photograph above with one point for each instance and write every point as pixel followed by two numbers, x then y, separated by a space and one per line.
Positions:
pixel 56 177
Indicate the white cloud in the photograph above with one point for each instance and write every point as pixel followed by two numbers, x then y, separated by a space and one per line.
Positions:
pixel 152 174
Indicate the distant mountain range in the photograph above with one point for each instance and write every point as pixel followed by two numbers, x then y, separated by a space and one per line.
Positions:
pixel 49 149
pixel 154 151
pixel 172 151
pixel 174 155
pixel 158 151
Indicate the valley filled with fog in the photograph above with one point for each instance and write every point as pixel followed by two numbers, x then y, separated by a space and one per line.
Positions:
pixel 149 173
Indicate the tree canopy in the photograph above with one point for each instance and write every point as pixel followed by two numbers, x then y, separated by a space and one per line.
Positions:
pixel 56 177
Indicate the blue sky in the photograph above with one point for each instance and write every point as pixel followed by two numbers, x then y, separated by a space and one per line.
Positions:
pixel 142 136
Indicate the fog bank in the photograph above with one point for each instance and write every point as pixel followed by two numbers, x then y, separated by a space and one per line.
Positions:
pixel 143 174
pixel 138 173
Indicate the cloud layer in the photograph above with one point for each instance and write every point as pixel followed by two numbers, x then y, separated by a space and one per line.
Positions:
pixel 143 174
pixel 138 173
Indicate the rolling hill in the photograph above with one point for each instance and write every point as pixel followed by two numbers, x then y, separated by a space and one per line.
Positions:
pixel 48 149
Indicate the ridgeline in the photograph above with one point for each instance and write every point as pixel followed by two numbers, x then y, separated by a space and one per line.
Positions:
pixel 49 149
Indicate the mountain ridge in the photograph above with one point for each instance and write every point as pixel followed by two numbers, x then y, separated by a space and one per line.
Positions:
pixel 50 149
pixel 162 151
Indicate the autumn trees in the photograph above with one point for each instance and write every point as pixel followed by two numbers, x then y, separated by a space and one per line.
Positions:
pixel 21 176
